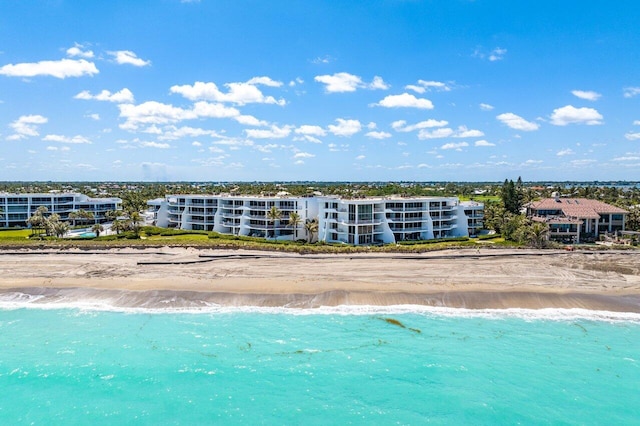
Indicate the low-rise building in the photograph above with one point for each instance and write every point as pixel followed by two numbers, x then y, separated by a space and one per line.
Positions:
pixel 340 220
pixel 577 220
pixel 15 209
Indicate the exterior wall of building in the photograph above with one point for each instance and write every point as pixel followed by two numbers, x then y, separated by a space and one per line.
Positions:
pixel 15 209
pixel 348 221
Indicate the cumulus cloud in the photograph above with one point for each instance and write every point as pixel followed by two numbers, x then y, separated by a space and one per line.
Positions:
pixel 59 69
pixel 344 82
pixel 128 57
pixel 250 120
pixel 306 129
pixel 401 125
pixel 123 96
pixel 405 100
pixel 586 95
pixel 572 115
pixel 25 126
pixel 564 152
pixel 153 112
pixel 378 135
pixel 360 157
pixel 151 144
pixel 173 133
pixel 457 146
pixel 516 122
pixel 274 132
pixel 463 132
pixel 78 50
pixel 345 127
pixel 630 92
pixel 632 136
pixel 484 143
pixel 424 86
pixel 238 93
pixel 486 107
pixel 65 139
pixel 303 155
pixel 435 134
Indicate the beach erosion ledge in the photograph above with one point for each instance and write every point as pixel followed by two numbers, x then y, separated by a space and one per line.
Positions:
pixel 187 278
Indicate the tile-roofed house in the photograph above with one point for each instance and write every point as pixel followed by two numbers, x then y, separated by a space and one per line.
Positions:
pixel 577 219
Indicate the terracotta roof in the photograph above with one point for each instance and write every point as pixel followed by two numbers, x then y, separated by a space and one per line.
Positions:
pixel 577 207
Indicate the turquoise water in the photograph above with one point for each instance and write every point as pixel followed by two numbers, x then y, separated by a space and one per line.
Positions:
pixel 70 366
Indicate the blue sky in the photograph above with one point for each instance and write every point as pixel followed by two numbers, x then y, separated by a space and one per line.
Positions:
pixel 319 90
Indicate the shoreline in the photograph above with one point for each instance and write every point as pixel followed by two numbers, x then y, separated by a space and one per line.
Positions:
pixel 171 277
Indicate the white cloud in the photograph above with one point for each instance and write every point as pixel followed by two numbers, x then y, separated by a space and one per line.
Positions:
pixel 632 136
pixel 196 143
pixel 65 139
pixel 123 96
pixel 173 132
pixel 79 50
pixel 497 54
pixel 153 112
pixel 627 157
pixel 59 69
pixel 405 100
pixel 345 127
pixel 156 145
pixel 307 129
pixel 572 115
pixel 486 107
pixel 94 116
pixel 424 86
pixel 378 135
pixel 636 122
pixel 250 120
pixel 274 132
pixel 435 134
pixel 516 122
pixel 586 95
pixel 457 146
pixel 303 155
pixel 484 143
pixel 344 82
pixel 563 152
pixel 360 157
pixel 128 57
pixel 238 93
pixel 340 82
pixel 401 125
pixel 630 92
pixel 26 125
pixel 463 132
pixel 378 84
pixel 322 60
pixel 265 81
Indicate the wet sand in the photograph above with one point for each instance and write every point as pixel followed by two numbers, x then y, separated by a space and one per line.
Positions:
pixel 184 277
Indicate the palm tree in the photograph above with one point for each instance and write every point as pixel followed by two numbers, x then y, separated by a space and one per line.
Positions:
pixel 134 222
pixel 537 234
pixel 273 215
pixel 112 215
pixel 294 221
pixel 97 228
pixel 118 226
pixel 311 226
pixel 38 219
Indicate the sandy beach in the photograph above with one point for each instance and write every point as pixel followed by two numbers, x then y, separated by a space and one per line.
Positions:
pixel 186 277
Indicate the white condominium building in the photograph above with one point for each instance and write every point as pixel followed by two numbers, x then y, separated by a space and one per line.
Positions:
pixel 340 220
pixel 15 209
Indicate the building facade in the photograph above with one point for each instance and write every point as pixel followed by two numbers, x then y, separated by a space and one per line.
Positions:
pixel 340 220
pixel 577 220
pixel 15 209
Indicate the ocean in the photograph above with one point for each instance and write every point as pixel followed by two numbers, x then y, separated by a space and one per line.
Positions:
pixel 345 365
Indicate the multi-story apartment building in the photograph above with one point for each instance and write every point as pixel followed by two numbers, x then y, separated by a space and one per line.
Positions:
pixel 15 209
pixel 574 220
pixel 350 221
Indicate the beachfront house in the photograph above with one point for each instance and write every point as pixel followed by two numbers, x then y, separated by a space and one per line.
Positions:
pixel 357 221
pixel 577 220
pixel 15 209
